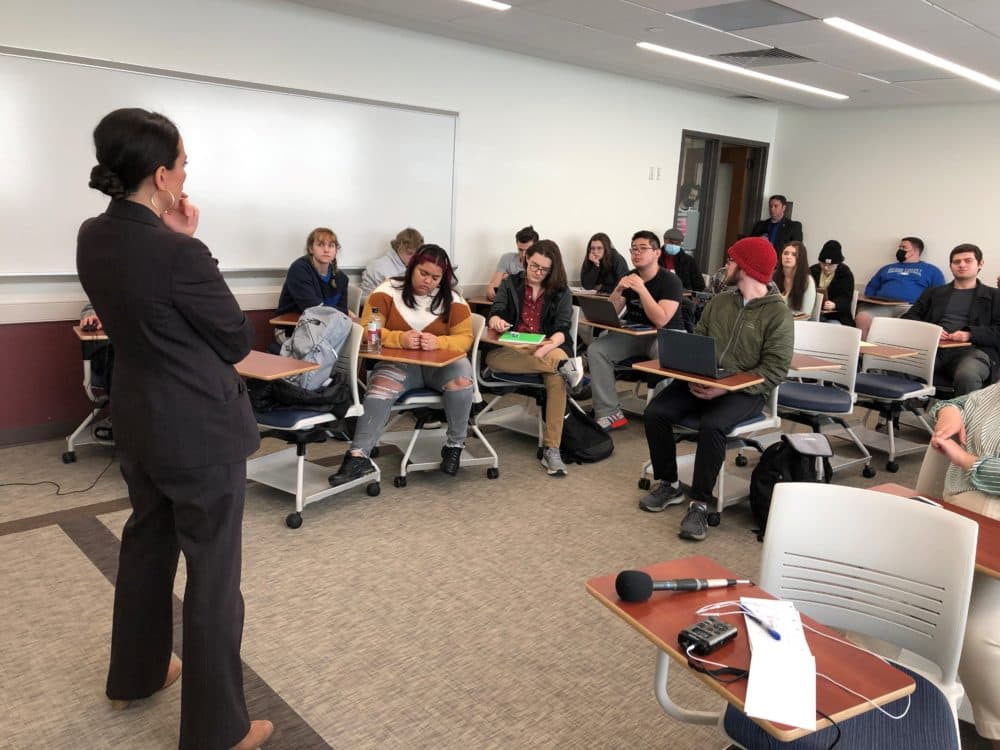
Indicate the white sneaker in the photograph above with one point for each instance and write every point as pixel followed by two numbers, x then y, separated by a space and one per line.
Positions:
pixel 553 463
pixel 572 371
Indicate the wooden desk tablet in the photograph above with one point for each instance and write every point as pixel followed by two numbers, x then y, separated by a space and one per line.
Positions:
pixel 953 344
pixel 736 382
pixel 433 358
pixel 98 335
pixel 805 362
pixel 801 316
pixel 988 543
pixel 264 366
pixel 887 350
pixel 650 331
pixel 478 302
pixel 665 614
pixel 885 302
pixel 285 319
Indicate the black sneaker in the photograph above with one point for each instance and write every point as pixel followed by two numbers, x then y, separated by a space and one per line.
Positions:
pixel 662 496
pixel 353 467
pixel 694 525
pixel 451 459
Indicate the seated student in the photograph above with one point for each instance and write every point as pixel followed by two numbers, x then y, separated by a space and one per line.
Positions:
pixel 537 300
pixel 904 280
pixel 969 312
pixel 513 262
pixel 967 431
pixel 421 312
pixel 603 267
pixel 675 259
pixel 650 296
pixel 314 279
pixel 793 279
pixel 394 262
pixel 753 332
pixel 835 281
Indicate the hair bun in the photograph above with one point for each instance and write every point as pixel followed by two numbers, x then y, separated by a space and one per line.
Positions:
pixel 103 179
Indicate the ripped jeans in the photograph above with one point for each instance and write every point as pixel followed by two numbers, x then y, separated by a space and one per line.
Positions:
pixel 388 380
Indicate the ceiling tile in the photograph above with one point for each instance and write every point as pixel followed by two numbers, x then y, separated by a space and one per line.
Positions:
pixel 747 14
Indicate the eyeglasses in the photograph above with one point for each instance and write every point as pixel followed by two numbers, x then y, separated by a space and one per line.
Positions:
pixel 640 249
pixel 532 266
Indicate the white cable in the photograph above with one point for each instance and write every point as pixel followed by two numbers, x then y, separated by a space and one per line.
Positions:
pixel 704 661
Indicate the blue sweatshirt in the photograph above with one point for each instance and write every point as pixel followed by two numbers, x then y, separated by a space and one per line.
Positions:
pixel 904 281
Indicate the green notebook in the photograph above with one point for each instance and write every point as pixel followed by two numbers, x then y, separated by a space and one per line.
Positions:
pixel 515 337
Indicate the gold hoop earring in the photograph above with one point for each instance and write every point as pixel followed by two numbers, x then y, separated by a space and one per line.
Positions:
pixel 152 200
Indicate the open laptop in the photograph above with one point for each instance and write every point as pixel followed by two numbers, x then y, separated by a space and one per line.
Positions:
pixel 601 310
pixel 689 352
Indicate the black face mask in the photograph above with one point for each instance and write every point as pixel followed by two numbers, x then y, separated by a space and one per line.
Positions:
pixel 901 255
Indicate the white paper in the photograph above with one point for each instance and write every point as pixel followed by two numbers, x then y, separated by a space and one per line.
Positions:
pixel 782 682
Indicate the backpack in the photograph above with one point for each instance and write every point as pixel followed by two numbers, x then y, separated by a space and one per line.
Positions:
pixel 583 441
pixel 792 459
pixel 319 337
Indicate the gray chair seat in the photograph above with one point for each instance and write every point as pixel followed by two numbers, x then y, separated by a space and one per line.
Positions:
pixel 814 397
pixel 885 386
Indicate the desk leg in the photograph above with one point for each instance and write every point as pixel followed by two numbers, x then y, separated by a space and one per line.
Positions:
pixel 681 714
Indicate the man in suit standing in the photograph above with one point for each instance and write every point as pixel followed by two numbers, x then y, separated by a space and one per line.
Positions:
pixel 778 230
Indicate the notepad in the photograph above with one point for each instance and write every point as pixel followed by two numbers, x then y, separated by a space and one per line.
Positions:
pixel 516 337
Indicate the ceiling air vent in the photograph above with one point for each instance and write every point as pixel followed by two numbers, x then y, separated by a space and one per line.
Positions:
pixel 761 58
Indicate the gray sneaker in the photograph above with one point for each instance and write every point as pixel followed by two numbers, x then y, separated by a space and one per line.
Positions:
pixel 572 371
pixel 694 525
pixel 553 463
pixel 663 495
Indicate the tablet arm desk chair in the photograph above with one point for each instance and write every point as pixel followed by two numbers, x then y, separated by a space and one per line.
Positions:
pixel 422 445
pixel 287 469
pixel 829 396
pixel 738 437
pixel 892 386
pixel 98 360
pixel 845 556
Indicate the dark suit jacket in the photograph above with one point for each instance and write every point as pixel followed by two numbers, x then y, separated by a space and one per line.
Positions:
pixel 984 316
pixel 788 231
pixel 177 331
pixel 840 291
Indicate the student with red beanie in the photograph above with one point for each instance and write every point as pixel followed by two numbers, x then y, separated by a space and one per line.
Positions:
pixel 753 332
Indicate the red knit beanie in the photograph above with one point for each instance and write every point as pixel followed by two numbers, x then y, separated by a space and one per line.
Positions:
pixel 756 257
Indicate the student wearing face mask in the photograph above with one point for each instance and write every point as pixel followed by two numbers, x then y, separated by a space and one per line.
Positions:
pixel 905 280
pixel 673 258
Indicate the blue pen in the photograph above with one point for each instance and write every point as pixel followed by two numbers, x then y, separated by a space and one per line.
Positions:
pixel 770 631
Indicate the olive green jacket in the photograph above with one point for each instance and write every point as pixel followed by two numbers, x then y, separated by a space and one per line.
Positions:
pixel 757 337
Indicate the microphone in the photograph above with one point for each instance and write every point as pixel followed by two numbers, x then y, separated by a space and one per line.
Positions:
pixel 636 586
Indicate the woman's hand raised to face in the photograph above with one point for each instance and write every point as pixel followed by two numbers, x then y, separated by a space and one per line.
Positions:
pixel 183 217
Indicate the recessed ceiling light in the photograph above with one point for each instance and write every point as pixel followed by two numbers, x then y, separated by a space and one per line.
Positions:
pixel 915 52
pixel 490 4
pixel 739 71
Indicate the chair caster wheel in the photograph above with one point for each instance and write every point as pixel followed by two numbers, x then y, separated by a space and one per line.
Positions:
pixel 69 457
pixel 714 519
pixel 492 473
pixel 868 472
pixel 741 460
pixel 539 453
pixel 645 484
pixel 373 489
pixel 374 452
pixel 399 481
pixel 892 466
pixel 293 520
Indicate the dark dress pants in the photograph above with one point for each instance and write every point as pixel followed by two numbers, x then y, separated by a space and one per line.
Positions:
pixel 200 512
pixel 716 417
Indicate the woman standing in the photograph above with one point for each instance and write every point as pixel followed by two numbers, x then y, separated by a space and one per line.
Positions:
pixel 314 278
pixel 793 280
pixel 603 267
pixel 183 426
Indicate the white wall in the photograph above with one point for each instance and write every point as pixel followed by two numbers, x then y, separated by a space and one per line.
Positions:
pixel 869 177
pixel 564 148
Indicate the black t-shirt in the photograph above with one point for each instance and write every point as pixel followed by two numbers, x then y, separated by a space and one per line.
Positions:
pixel 956 314
pixel 664 286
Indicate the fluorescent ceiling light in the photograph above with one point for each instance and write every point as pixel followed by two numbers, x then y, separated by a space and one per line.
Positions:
pixel 914 52
pixel 719 65
pixel 490 4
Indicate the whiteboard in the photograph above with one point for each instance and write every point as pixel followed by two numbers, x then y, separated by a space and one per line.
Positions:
pixel 265 165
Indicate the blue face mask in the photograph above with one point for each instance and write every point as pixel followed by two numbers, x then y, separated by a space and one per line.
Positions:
pixel 672 249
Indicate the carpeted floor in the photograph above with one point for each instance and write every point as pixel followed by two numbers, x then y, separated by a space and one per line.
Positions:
pixel 448 614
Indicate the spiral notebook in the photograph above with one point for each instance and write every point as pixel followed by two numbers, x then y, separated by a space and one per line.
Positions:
pixel 516 337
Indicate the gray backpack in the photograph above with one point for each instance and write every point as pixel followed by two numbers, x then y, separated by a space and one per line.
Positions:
pixel 319 337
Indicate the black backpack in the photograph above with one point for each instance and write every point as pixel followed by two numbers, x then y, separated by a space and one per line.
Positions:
pixel 792 459
pixel 583 440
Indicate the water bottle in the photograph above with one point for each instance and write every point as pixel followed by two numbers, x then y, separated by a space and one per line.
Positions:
pixel 373 335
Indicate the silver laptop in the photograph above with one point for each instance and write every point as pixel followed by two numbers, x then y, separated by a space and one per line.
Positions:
pixel 689 352
pixel 601 310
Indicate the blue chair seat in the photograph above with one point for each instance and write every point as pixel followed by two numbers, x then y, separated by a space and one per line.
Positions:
pixel 514 378
pixel 286 418
pixel 885 386
pixel 814 397
pixel 691 421
pixel 928 725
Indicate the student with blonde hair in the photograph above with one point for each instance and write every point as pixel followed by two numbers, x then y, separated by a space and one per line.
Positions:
pixel 394 262
pixel 314 279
